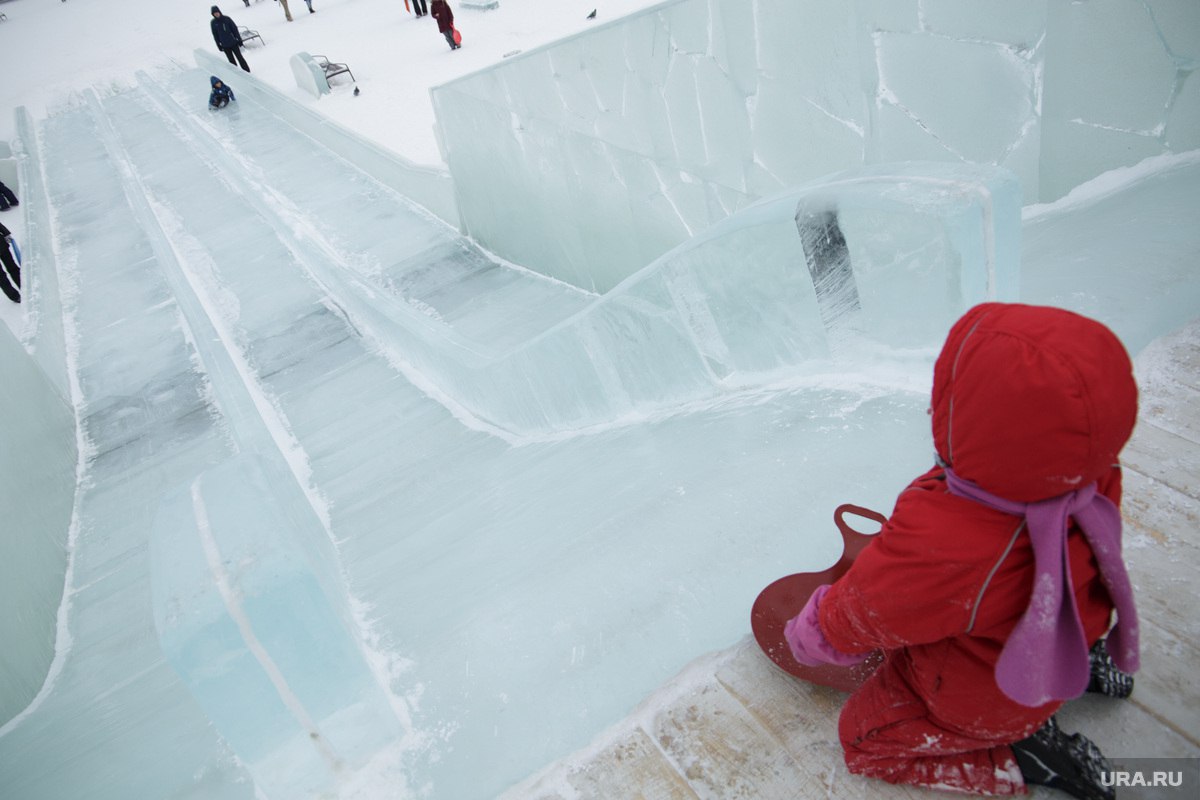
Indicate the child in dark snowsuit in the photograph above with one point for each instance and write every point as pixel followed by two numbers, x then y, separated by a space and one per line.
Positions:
pixel 998 569
pixel 221 94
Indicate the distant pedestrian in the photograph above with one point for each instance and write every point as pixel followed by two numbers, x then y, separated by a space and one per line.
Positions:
pixel 7 198
pixel 221 94
pixel 229 41
pixel 440 10
pixel 10 270
pixel 419 8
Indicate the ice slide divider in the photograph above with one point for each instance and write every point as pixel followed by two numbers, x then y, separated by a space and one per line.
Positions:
pixel 702 321
pixel 430 187
pixel 259 567
pixel 44 336
pixel 40 463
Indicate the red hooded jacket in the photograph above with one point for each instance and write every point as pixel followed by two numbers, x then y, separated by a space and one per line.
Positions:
pixel 1028 403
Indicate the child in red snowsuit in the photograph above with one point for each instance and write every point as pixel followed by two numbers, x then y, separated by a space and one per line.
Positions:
pixel 998 569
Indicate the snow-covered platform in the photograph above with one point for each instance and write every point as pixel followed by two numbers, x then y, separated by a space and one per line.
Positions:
pixel 734 726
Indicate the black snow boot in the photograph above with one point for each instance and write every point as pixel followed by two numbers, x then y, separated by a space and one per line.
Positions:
pixel 1106 678
pixel 1073 763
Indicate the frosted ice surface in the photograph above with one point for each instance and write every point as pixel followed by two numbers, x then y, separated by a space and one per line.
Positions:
pixel 934 82
pixel 269 654
pixel 287 312
pixel 1022 21
pixel 1119 261
pixel 508 507
pixel 134 363
pixel 698 109
pixel 38 460
pixel 1104 92
pixel 1097 112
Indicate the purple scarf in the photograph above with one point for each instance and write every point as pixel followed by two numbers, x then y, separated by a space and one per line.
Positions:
pixel 1046 656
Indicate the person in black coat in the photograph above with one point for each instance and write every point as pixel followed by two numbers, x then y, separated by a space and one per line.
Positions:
pixel 7 198
pixel 10 271
pixel 229 41
pixel 419 8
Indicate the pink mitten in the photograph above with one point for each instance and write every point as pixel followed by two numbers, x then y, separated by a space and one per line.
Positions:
pixel 809 646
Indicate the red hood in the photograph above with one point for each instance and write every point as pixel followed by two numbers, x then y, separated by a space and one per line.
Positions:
pixel 1030 402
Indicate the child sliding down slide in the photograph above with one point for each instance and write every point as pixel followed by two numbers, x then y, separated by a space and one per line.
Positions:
pixel 221 94
pixel 994 582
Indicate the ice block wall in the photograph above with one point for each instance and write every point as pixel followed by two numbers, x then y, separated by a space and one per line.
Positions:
pixel 1120 86
pixel 44 335
pixel 588 158
pixel 37 491
pixel 746 303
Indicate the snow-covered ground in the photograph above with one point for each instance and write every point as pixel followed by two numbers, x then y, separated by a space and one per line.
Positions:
pixel 50 47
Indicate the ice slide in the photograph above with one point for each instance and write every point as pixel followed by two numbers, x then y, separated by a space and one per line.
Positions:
pixel 270 355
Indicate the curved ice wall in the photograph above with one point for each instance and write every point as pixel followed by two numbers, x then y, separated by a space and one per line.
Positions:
pixel 757 298
pixel 37 490
pixel 590 157
pixel 38 454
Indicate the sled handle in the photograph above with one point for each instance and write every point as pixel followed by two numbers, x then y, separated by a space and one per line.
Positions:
pixel 853 542
pixel 849 508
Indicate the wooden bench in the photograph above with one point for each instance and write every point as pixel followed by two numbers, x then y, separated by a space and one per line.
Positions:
pixel 248 34
pixel 331 68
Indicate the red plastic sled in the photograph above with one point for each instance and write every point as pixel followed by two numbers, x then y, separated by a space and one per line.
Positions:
pixel 784 599
pixel 457 36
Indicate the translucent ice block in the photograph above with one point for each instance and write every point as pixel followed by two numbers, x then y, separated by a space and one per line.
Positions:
pixel 243 617
pixel 739 305
pixel 37 462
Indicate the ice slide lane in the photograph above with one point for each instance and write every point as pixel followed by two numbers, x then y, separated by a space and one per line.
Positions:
pixel 377 234
pixel 178 401
pixel 258 280
pixel 527 358
pixel 147 421
pixel 391 464
pixel 314 686
pixel 447 312
pixel 252 282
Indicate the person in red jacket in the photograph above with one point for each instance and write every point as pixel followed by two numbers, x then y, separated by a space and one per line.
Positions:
pixel 440 10
pixel 992 585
